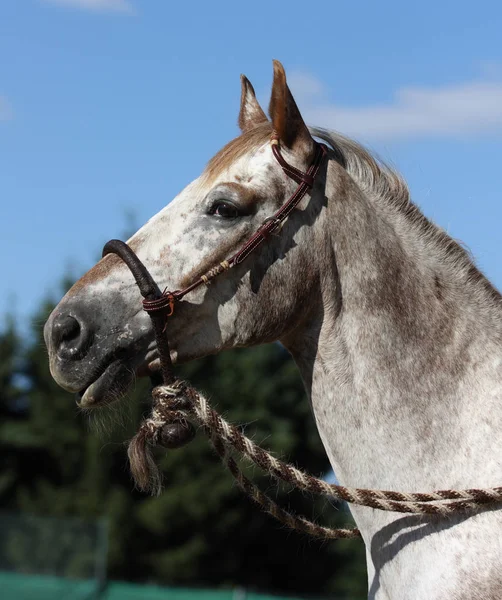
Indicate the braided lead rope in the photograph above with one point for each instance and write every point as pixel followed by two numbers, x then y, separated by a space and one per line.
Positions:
pixel 419 503
pixel 170 406
pixel 272 508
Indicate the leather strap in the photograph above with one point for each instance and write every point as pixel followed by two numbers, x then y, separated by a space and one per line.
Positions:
pixel 273 223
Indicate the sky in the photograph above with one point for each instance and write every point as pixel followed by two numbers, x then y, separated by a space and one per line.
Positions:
pixel 108 108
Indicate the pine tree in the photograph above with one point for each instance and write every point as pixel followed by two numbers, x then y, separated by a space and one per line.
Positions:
pixel 201 531
pixel 10 404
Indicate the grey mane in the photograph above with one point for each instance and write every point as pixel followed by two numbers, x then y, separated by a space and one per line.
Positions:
pixel 388 188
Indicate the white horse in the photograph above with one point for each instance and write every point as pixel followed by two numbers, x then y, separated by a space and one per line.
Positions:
pixel 397 335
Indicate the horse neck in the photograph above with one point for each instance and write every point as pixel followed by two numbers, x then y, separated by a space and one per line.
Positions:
pixel 401 347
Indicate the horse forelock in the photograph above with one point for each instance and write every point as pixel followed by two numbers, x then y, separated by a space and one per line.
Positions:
pixel 235 149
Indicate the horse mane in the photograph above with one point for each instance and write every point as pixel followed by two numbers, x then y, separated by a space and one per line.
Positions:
pixel 376 178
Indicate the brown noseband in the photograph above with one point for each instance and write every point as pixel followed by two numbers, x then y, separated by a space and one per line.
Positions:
pixel 161 305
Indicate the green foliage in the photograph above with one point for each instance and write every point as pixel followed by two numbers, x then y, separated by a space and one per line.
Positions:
pixel 201 531
pixel 9 356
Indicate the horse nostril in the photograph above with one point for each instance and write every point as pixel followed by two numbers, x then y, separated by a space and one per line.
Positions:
pixel 69 328
pixel 70 337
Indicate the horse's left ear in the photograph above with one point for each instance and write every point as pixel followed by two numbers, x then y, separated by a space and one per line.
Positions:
pixel 251 113
pixel 286 118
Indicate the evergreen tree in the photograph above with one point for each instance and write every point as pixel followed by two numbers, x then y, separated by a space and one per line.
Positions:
pixel 10 404
pixel 9 355
pixel 201 531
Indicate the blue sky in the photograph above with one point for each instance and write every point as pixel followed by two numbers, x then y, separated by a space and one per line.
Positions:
pixel 110 107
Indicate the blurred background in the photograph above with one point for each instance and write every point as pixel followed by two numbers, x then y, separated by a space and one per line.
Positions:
pixel 108 108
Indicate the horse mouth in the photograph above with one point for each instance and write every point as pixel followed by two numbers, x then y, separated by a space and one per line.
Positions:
pixel 114 380
pixel 110 385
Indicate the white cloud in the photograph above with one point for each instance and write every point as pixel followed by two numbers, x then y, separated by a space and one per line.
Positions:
pixel 5 109
pixel 119 6
pixel 305 86
pixel 473 107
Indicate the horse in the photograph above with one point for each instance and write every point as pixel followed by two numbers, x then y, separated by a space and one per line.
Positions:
pixel 396 333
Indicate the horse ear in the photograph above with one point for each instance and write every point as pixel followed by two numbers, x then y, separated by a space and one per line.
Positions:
pixel 286 118
pixel 251 113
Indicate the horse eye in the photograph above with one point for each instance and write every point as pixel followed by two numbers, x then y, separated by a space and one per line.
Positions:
pixel 224 209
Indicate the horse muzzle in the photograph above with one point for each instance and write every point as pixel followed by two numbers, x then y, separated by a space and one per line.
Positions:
pixel 92 356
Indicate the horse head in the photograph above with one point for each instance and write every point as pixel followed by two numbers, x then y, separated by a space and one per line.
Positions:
pixel 98 336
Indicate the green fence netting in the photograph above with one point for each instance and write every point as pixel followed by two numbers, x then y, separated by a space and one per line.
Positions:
pixel 45 558
pixel 56 558
pixel 15 586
